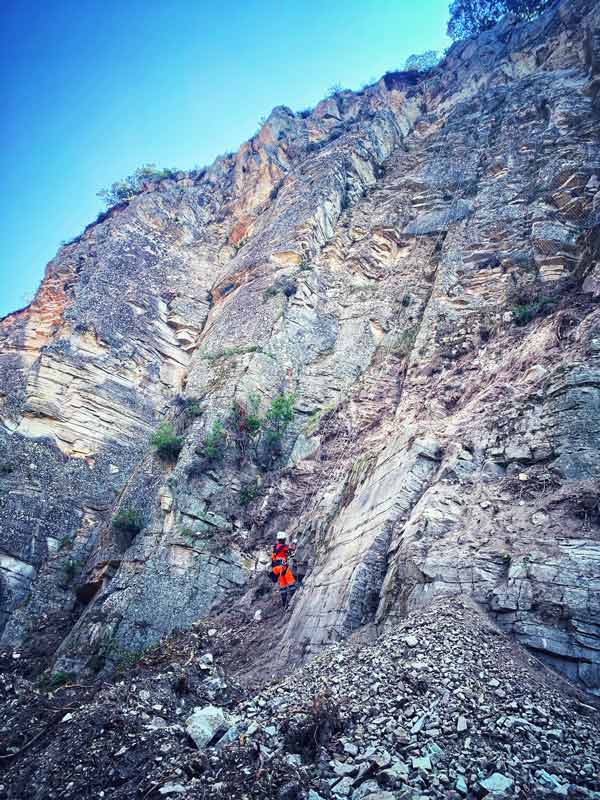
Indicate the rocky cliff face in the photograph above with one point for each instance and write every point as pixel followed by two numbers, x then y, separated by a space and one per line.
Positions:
pixel 418 263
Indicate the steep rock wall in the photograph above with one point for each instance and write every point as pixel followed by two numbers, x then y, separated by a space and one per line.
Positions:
pixel 372 258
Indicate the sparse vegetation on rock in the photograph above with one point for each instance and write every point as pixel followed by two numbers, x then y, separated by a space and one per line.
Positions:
pixel 166 442
pixel 422 62
pixel 248 493
pixel 525 312
pixel 61 678
pixel 228 352
pixel 121 191
pixel 403 343
pixel 128 521
pixel 249 432
pixel 213 446
pixel 456 202
pixel 470 17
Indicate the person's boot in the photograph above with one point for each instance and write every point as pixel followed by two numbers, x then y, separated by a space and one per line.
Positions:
pixel 284 598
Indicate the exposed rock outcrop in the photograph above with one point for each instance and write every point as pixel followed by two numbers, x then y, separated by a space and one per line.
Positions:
pixel 418 264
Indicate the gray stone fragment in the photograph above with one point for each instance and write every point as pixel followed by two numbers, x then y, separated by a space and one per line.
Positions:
pixel 366 788
pixel 497 783
pixel 550 781
pixel 172 788
pixel 394 775
pixel 343 787
pixel 350 748
pixel 381 796
pixel 418 725
pixel 435 752
pixel 205 723
pixel 229 737
pixel 422 763
pixel 343 769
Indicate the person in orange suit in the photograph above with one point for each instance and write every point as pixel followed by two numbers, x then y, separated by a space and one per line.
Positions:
pixel 280 556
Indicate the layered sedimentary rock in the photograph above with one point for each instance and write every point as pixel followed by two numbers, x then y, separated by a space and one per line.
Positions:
pixel 418 264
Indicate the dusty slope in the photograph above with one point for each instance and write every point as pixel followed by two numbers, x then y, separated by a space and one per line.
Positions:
pixel 375 258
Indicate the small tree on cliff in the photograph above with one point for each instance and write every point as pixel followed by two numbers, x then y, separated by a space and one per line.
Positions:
pixel 166 442
pixel 422 62
pixel 470 17
pixel 120 191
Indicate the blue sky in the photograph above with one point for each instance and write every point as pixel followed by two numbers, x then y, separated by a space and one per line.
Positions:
pixel 91 90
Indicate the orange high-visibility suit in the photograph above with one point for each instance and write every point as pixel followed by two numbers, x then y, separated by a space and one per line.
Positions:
pixel 281 567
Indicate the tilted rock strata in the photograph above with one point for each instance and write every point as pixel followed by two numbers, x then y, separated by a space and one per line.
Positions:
pixel 370 257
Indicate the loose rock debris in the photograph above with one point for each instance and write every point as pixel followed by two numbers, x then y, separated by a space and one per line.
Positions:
pixel 442 706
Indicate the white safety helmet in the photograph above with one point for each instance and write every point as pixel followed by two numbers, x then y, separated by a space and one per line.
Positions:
pixel 281 536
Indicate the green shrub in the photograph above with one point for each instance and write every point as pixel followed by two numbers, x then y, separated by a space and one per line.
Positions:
pixel 470 17
pixel 406 300
pixel 248 492
pixel 167 444
pixel 213 446
pixel 422 62
pixel 121 191
pixel 272 442
pixel 128 521
pixel 523 313
pixel 61 678
pixel 253 424
pixel 275 424
pixel 281 412
pixel 247 430
pixel 194 408
pixel 129 658
pixel 244 424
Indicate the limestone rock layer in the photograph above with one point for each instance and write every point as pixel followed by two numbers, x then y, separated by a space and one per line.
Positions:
pixel 418 264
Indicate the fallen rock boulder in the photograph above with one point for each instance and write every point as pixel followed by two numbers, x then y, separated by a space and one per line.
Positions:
pixel 207 724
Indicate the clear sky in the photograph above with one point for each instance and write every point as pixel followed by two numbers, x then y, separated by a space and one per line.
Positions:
pixel 92 89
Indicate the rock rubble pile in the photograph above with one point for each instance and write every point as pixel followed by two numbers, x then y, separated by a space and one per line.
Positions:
pixel 442 706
